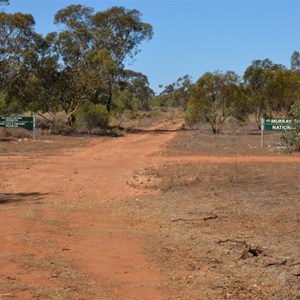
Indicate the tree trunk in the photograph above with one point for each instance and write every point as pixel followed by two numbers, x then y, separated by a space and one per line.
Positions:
pixel 108 104
pixel 109 101
pixel 71 120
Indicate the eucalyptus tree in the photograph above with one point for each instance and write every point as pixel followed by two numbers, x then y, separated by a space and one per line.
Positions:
pixel 282 90
pixel 93 48
pixel 256 78
pixel 73 47
pixel 215 97
pixel 120 31
pixel 136 84
pixel 295 61
pixel 176 94
pixel 38 87
pixel 16 37
pixel 4 2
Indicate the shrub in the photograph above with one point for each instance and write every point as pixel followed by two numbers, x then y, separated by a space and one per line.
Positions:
pixel 8 108
pixel 92 115
pixel 15 133
pixel 124 100
pixel 291 140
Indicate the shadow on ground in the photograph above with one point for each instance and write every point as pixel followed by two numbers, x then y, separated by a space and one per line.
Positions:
pixel 150 131
pixel 7 198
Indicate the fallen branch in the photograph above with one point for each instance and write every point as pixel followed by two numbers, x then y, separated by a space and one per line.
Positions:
pixel 177 220
pixel 186 220
pixel 233 241
pixel 212 217
pixel 277 263
pixel 254 250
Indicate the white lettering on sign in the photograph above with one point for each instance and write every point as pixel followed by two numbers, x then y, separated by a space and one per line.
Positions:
pixel 279 121
pixel 282 127
pixel 9 119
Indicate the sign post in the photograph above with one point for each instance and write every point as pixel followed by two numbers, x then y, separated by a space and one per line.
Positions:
pixel 262 128
pixel 18 122
pixel 276 124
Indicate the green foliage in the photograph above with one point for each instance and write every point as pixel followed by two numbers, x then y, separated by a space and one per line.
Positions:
pixel 137 85
pixel 81 64
pixel 214 98
pixel 291 139
pixel 3 3
pixel 161 101
pixel 93 48
pixel 16 36
pixel 124 100
pixel 295 61
pixel 263 94
pixel 10 108
pixel 39 85
pixel 120 30
pixel 176 94
pixel 91 115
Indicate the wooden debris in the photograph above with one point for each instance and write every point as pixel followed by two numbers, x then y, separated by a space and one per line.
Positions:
pixel 249 249
pixel 254 250
pixel 212 217
pixel 233 241
pixel 177 220
pixel 281 263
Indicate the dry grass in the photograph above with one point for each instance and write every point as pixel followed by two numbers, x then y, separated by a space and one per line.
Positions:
pixel 65 279
pixel 242 141
pixel 43 145
pixel 222 230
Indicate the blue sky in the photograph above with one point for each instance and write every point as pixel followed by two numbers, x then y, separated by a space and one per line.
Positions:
pixel 195 36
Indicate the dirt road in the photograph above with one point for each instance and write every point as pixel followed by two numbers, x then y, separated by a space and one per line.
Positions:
pixel 60 234
pixel 58 208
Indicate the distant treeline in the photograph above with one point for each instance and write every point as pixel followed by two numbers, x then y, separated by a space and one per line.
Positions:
pixel 265 90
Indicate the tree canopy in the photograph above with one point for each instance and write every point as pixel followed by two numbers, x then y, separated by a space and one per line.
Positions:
pixel 16 37
pixel 82 67
pixel 214 98
pixel 80 64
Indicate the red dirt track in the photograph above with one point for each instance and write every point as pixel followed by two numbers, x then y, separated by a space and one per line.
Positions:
pixel 59 231
pixel 98 242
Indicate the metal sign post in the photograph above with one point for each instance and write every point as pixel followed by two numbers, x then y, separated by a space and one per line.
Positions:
pixel 33 128
pixel 276 124
pixel 262 128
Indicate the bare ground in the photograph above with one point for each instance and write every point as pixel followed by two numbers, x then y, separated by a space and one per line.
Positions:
pixel 128 218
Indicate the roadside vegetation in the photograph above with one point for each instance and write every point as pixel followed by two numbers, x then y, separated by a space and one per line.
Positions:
pixel 75 81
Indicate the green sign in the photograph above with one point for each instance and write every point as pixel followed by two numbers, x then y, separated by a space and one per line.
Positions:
pixel 16 125
pixel 16 119
pixel 15 122
pixel 279 124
